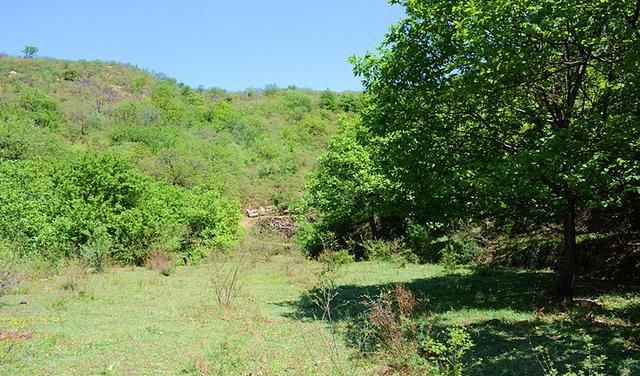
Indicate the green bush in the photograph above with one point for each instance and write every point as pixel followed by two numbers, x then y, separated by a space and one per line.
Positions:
pixel 165 96
pixel 98 208
pixel 349 102
pixel 28 208
pixel 418 241
pixel 40 108
pixel 297 104
pixel 13 143
pixel 388 251
pixel 328 100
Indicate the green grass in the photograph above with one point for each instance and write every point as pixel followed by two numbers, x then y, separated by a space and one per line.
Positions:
pixel 136 321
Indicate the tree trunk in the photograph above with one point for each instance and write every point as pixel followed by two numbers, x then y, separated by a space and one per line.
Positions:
pixel 568 258
pixel 374 228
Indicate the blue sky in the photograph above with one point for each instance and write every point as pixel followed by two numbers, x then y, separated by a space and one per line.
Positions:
pixel 233 44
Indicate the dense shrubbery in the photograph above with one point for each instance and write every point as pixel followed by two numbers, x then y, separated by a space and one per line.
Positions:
pixel 97 207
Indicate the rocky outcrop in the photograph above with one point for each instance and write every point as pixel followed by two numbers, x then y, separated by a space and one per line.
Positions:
pixel 260 212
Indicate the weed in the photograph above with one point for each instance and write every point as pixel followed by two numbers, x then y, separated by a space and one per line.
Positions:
pixel 591 364
pixel 161 262
pixel 8 277
pixel 325 294
pixel 389 328
pixel 74 277
pixel 448 354
pixel 226 277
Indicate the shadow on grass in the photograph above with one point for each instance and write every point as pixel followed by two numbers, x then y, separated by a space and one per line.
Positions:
pixel 523 291
pixel 505 346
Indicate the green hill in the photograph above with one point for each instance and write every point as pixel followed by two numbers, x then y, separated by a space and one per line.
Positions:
pixel 87 132
pixel 256 145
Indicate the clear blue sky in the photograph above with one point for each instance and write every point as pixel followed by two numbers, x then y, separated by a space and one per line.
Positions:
pixel 233 44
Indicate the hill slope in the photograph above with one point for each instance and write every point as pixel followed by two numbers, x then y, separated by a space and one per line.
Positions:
pixel 256 145
pixel 104 160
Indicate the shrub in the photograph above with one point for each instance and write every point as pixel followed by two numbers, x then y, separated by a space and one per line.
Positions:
pixel 388 251
pixel 458 249
pixel 40 108
pixel 97 207
pixel 350 102
pixel 161 262
pixel 28 208
pixel 418 241
pixel 328 100
pixel 166 98
pixel 336 258
pixel 271 90
pixel 70 74
pixel 226 281
pixel 389 328
pixel 379 250
pixel 127 113
pixel 309 237
pixel 590 365
pixel 220 114
pixel 8 277
pixel 96 252
pixel 297 104
pixel 448 354
pixel 139 84
pixel 73 277
pixel 13 142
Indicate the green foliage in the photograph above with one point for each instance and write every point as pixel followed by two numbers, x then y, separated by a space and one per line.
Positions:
pixel 70 74
pixel 417 240
pixel 13 145
pixel 328 100
pixel 448 354
pixel 165 96
pixel 391 329
pixel 519 113
pixel 167 151
pixel 297 103
pixel 40 108
pixel 346 190
pixel 30 51
pixel 350 102
pixel 590 365
pixel 336 259
pixel 27 214
pixel 139 84
pixel 458 249
pixel 98 208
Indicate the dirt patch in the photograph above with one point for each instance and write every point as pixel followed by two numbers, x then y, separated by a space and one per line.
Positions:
pixel 15 336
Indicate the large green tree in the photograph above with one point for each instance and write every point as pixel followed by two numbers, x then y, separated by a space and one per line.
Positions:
pixel 520 109
pixel 346 190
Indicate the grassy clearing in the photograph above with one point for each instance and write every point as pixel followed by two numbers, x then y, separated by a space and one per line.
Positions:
pixel 137 321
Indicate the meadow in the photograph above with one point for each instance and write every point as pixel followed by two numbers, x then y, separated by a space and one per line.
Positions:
pixel 474 210
pixel 134 320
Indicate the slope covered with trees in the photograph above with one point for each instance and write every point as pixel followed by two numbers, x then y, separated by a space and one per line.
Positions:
pixel 106 161
pixel 503 118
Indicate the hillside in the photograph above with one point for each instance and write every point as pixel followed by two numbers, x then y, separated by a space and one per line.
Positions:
pixel 256 146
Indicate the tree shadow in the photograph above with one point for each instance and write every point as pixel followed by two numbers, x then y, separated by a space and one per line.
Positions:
pixel 531 347
pixel 523 291
pixel 504 346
